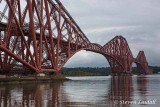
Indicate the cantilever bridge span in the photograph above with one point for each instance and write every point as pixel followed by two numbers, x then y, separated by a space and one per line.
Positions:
pixel 40 36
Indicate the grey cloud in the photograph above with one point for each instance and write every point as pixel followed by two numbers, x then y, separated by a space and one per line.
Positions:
pixel 101 20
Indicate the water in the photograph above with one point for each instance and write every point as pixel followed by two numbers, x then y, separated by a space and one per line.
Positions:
pixel 129 91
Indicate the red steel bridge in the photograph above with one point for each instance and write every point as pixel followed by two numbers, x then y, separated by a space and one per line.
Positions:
pixel 40 36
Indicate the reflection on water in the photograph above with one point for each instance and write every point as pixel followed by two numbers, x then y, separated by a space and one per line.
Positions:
pixel 142 87
pixel 30 95
pixel 123 91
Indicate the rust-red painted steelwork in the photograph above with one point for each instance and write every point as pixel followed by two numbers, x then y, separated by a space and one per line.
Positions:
pixel 40 36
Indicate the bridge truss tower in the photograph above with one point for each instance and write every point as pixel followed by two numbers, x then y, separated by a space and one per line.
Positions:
pixel 40 36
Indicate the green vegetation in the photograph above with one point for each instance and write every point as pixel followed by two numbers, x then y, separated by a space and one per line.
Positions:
pixel 155 69
pixel 85 71
pixel 104 71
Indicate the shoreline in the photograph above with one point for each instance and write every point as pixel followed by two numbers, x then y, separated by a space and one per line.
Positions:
pixel 32 79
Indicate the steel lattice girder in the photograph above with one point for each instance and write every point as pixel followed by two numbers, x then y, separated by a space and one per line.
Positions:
pixel 40 35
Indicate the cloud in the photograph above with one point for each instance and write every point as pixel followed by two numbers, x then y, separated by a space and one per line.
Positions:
pixel 101 20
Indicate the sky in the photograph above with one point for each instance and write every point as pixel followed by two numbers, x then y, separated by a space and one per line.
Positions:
pixel 101 20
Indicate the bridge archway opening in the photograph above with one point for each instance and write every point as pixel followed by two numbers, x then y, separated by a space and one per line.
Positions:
pixel 90 56
pixel 138 69
pixel 134 68
pixel 85 58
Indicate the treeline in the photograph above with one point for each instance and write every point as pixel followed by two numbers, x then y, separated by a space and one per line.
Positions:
pixel 104 71
pixel 155 69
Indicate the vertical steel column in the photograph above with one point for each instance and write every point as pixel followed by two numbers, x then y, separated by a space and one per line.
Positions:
pixel 59 36
pixel 41 34
pixel 40 17
pixel 69 36
pixel 30 9
pixel 50 32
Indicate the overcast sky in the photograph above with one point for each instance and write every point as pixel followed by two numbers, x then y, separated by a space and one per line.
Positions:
pixel 137 20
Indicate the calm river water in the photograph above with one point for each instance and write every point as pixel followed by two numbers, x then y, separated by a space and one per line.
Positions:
pixel 106 91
